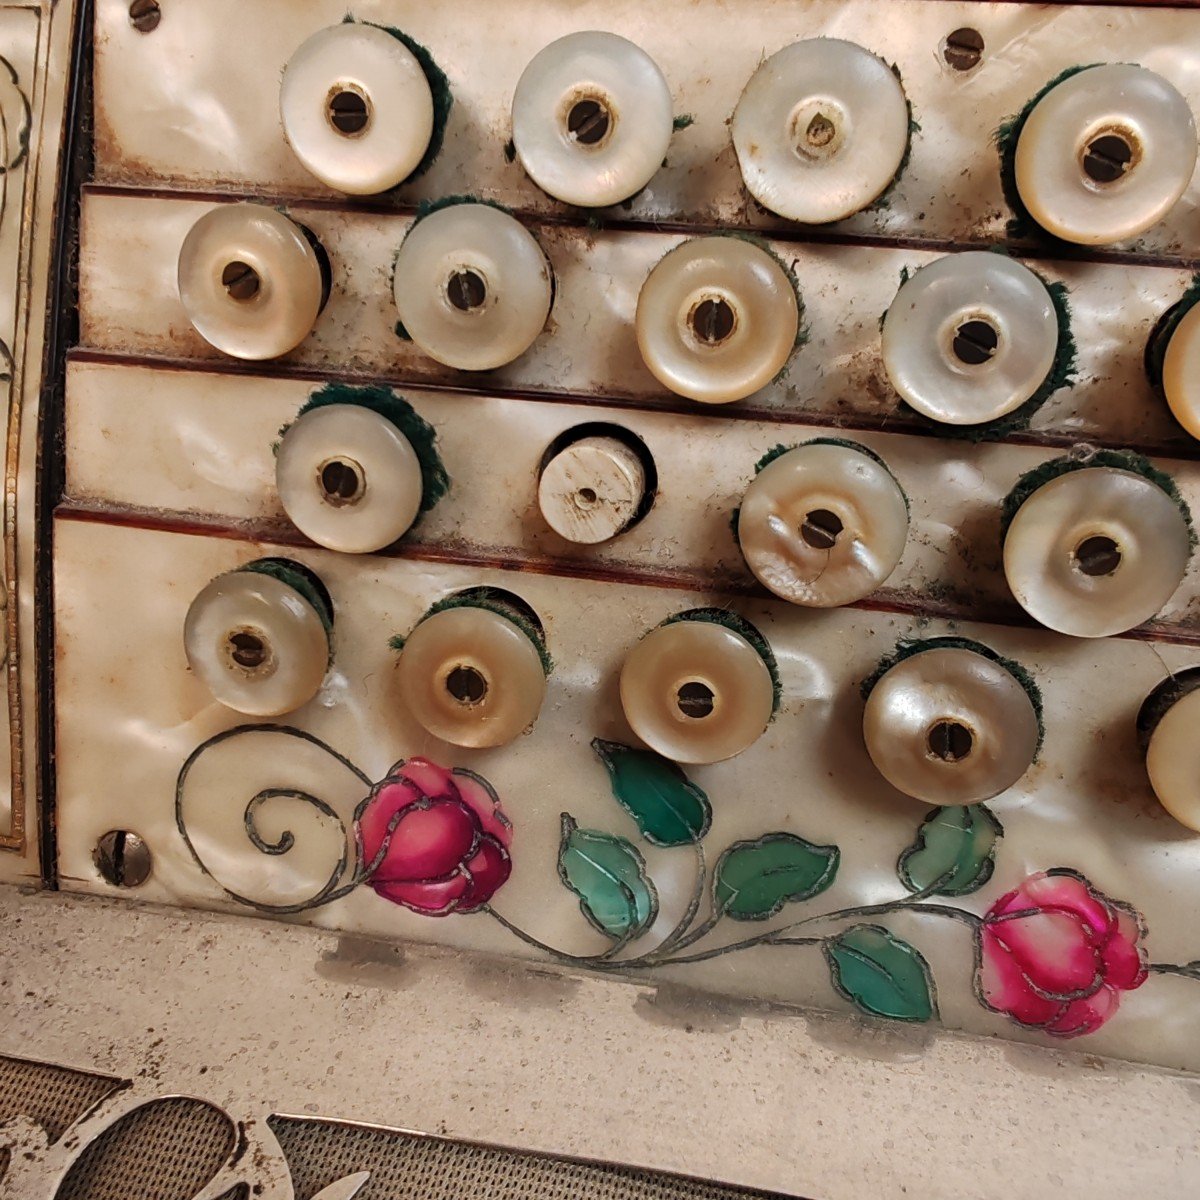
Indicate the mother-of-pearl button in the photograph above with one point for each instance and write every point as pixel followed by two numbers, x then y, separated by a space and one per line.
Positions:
pixel 970 338
pixel 348 478
pixel 823 525
pixel 592 118
pixel 1181 371
pixel 472 286
pixel 717 319
pixel 1096 551
pixel 357 108
pixel 249 280
pixel 950 726
pixel 696 692
pixel 471 677
pixel 256 643
pixel 820 130
pixel 590 490
pixel 1173 759
pixel 1121 122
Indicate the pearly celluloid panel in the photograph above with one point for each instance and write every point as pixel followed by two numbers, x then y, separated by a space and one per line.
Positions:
pixel 350 630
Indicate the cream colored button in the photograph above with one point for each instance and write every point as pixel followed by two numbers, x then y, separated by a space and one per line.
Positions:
pixel 590 490
pixel 472 286
pixel 970 338
pixel 348 478
pixel 1105 154
pixel 471 677
pixel 356 108
pixel 950 726
pixel 592 118
pixel 1181 371
pixel 1096 552
pixel 256 643
pixel 717 319
pixel 1173 760
pixel 820 130
pixel 696 692
pixel 249 281
pixel 823 525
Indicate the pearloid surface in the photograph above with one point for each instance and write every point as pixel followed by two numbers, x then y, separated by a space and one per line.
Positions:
pixel 696 652
pixel 836 83
pixel 589 491
pixel 504 255
pixel 384 461
pixel 956 685
pixel 919 330
pixel 296 646
pixel 766 319
pixel 1173 760
pixel 1149 530
pixel 1181 372
pixel 483 641
pixel 1121 98
pixel 379 67
pixel 281 313
pixel 592 65
pixel 864 497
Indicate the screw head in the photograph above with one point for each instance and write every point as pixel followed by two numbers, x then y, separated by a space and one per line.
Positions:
pixel 144 15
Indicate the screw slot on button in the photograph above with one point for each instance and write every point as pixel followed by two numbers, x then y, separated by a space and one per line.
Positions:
pixel 122 858
pixel 588 121
pixel 821 528
pixel 241 281
pixel 1108 157
pixel 712 321
pixel 247 649
pixel 975 342
pixel 144 15
pixel 341 481
pixel 963 49
pixel 1096 556
pixel 348 111
pixel 950 741
pixel 695 700
pixel 466 290
pixel 466 685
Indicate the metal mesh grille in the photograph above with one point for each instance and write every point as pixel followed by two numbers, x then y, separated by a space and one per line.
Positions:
pixel 320 1152
pixel 54 1097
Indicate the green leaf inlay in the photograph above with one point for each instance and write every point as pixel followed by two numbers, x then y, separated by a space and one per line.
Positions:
pixel 956 844
pixel 670 810
pixel 754 880
pixel 609 876
pixel 880 974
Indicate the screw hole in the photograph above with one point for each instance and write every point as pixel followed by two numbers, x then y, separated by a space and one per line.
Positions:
pixel 122 858
pixel 341 482
pixel 247 650
pixel 241 281
pixel 466 685
pixel 586 497
pixel 975 342
pixel 466 290
pixel 348 112
pixel 950 741
pixel 963 49
pixel 1098 555
pixel 695 700
pixel 588 121
pixel 144 15
pixel 1107 158
pixel 820 132
pixel 712 321
pixel 821 529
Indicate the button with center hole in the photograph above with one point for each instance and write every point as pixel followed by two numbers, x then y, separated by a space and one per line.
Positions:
pixel 591 489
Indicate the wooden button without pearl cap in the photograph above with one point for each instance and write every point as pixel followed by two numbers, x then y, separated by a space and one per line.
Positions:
pixel 257 643
pixel 472 286
pixel 1105 154
pixel 950 726
pixel 348 478
pixel 250 281
pixel 591 489
pixel 592 118
pixel 1173 749
pixel 1181 371
pixel 821 130
pixel 357 108
pixel 717 319
pixel 823 525
pixel 696 692
pixel 1096 551
pixel 471 677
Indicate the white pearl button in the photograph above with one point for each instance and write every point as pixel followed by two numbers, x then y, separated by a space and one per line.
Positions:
pixel 820 130
pixel 590 490
pixel 1173 760
pixel 256 643
pixel 249 281
pixel 823 525
pixel 471 677
pixel 592 118
pixel 717 319
pixel 1096 552
pixel 357 108
pixel 1061 148
pixel 1181 371
pixel 348 478
pixel 970 338
pixel 950 726
pixel 472 286
pixel 696 692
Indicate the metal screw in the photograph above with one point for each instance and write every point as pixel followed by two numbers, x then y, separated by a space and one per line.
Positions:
pixel 144 15
pixel 820 529
pixel 1098 555
pixel 122 858
pixel 975 342
pixel 963 49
